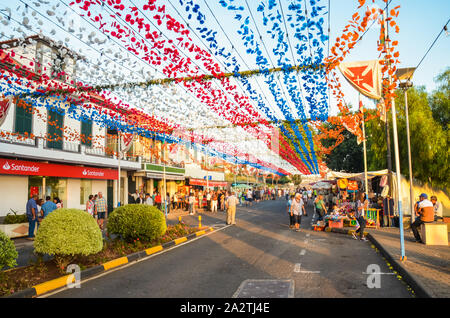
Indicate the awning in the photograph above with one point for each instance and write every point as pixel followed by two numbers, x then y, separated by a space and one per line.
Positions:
pixel 359 176
pixel 211 183
pixel 161 176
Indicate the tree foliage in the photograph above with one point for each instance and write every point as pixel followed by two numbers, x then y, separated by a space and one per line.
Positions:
pixel 429 135
pixel 347 156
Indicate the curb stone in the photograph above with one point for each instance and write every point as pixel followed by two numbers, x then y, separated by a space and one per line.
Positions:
pixel 417 287
pixel 59 282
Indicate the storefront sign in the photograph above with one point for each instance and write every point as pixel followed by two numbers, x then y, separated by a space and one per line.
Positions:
pixel 212 183
pixel 160 176
pixel 29 168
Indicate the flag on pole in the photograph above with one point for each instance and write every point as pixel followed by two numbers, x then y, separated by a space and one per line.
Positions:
pixel 365 76
pixel 126 141
pixel 5 105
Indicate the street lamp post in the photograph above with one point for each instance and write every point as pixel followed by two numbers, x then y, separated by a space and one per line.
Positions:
pixel 405 86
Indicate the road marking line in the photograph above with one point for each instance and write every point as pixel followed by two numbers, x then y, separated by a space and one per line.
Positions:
pixel 297 269
pixel 375 273
pixel 303 252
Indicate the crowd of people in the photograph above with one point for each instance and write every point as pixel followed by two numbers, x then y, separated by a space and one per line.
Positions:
pixel 203 200
pixel 37 210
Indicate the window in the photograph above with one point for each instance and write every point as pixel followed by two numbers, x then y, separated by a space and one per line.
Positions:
pixel 54 187
pixel 86 132
pixel 85 190
pixel 24 118
pixel 55 127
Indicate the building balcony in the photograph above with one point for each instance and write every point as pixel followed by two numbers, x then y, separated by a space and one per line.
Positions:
pixel 73 153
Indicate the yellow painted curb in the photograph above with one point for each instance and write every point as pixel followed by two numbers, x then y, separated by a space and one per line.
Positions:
pixel 53 284
pixel 199 233
pixel 153 249
pixel 115 263
pixel 180 240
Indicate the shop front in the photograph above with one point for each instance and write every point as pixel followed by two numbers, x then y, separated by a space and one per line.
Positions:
pixel 19 180
pixel 203 184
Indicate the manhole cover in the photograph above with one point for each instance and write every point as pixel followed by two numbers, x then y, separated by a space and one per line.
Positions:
pixel 265 288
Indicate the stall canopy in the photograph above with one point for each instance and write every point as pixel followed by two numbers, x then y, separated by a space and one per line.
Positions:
pixel 322 185
pixel 358 176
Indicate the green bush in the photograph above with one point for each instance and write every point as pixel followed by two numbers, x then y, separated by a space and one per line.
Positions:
pixel 68 232
pixel 8 252
pixel 14 218
pixel 137 221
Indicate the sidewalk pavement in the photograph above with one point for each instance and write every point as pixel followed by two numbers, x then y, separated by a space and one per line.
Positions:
pixel 427 265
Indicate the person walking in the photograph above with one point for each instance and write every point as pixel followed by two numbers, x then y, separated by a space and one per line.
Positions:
pixel 297 209
pixel 320 207
pixel 361 205
pixel 426 215
pixel 31 211
pixel 100 209
pixel 230 204
pixel 289 212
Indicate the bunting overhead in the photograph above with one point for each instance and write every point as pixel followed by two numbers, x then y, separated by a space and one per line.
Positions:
pixel 365 76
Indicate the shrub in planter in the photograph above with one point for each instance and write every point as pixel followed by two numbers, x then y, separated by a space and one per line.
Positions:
pixel 66 233
pixel 8 252
pixel 14 218
pixel 133 221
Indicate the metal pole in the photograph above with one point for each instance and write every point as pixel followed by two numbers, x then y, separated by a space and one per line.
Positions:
pixel 366 185
pixel 397 160
pixel 411 192
pixel 118 158
pixel 164 177
pixel 207 177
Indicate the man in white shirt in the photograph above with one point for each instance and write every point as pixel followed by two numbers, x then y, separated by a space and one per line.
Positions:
pixel 249 196
pixel 230 205
pixel 297 209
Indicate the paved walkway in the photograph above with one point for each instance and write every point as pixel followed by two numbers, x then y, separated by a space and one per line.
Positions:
pixel 429 265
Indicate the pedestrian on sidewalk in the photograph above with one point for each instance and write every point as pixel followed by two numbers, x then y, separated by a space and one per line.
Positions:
pixel 297 209
pixel 230 204
pixel 31 210
pixel 426 215
pixel 361 205
pixel 101 206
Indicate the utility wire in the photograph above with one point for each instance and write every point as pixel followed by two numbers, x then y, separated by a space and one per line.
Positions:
pixel 432 44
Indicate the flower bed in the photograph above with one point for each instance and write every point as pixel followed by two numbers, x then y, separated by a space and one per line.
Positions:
pixel 21 278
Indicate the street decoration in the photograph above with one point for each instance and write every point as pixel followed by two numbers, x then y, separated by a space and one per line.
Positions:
pixel 150 43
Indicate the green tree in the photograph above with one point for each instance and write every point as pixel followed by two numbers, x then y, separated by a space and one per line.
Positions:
pixel 429 140
pixel 296 179
pixel 347 156
pixel 440 100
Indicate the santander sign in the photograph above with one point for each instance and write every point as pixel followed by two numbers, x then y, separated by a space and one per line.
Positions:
pixel 22 167
pixel 16 167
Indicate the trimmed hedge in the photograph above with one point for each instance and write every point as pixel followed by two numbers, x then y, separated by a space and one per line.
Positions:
pixel 15 218
pixel 8 252
pixel 137 221
pixel 68 232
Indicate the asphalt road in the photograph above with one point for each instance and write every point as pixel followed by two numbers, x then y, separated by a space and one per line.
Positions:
pixel 259 247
